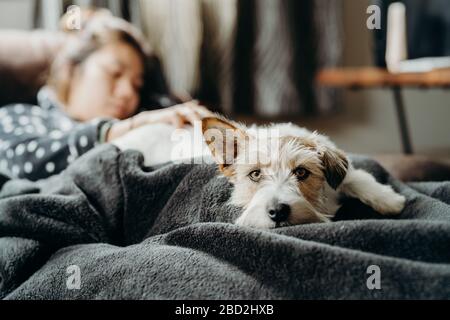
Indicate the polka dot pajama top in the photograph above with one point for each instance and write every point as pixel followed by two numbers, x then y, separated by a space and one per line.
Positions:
pixel 42 140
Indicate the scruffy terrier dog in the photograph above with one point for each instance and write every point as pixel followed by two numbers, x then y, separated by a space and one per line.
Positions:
pixel 286 175
pixel 281 174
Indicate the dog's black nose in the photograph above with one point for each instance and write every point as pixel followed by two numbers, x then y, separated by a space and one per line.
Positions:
pixel 279 212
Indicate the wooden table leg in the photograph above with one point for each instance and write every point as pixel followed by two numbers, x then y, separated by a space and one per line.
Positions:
pixel 403 124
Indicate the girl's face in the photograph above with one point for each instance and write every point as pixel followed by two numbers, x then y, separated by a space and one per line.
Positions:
pixel 106 84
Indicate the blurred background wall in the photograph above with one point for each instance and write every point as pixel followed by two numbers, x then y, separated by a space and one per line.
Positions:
pixel 16 14
pixel 366 121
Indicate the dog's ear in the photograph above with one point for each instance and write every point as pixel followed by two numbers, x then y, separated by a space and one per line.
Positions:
pixel 335 164
pixel 222 138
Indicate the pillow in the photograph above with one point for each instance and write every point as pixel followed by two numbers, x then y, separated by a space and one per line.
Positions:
pixel 25 57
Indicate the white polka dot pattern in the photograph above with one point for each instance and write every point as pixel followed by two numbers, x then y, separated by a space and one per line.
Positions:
pixel 20 149
pixel 19 108
pixel 50 167
pixel 32 146
pixel 28 167
pixel 83 141
pixel 40 153
pixel 36 142
pixel 23 120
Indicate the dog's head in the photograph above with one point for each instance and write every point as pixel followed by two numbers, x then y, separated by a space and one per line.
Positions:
pixel 282 174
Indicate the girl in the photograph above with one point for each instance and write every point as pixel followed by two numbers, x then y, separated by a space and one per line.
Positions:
pixel 91 97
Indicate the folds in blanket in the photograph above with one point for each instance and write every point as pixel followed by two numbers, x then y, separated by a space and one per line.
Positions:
pixel 148 225
pixel 224 261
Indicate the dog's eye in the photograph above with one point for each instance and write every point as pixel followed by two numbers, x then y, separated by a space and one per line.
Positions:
pixel 301 173
pixel 255 175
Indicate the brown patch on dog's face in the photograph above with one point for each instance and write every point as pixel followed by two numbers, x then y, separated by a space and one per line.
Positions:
pixel 311 187
pixel 301 153
pixel 227 171
pixel 334 160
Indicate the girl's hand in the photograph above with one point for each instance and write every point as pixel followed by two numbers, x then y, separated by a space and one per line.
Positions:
pixel 177 116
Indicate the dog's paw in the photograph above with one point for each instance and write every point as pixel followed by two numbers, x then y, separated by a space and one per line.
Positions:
pixel 391 203
pixel 245 221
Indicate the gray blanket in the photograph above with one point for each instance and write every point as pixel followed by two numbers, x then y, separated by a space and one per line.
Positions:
pixel 134 232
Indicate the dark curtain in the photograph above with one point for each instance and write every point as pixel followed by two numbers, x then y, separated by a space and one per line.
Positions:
pixel 278 48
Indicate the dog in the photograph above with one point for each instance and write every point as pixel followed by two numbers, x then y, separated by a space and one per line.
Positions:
pixel 281 174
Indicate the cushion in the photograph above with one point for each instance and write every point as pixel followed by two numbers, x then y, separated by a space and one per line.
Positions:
pixel 25 57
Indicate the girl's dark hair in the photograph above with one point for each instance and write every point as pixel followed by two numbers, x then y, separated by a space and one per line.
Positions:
pixel 98 32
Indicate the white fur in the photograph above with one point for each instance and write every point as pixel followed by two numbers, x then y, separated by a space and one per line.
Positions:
pixel 363 186
pixel 279 185
pixel 160 143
